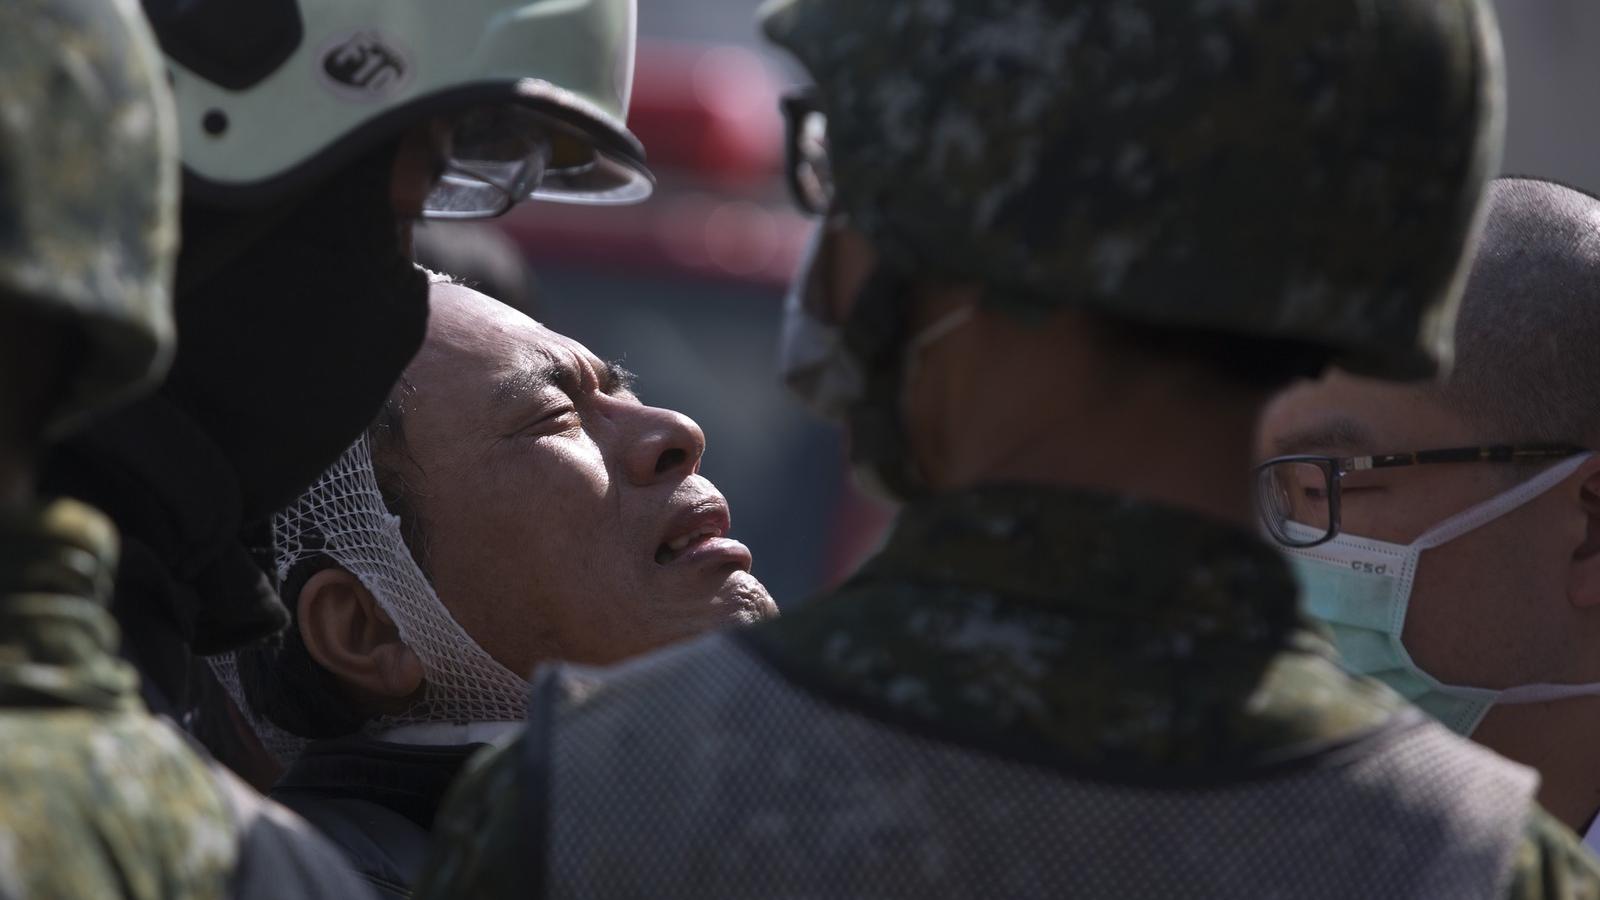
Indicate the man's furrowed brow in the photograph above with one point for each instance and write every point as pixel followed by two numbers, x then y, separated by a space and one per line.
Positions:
pixel 1328 436
pixel 531 377
pixel 614 379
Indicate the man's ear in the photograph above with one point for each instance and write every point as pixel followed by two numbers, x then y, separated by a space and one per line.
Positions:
pixel 1583 580
pixel 348 634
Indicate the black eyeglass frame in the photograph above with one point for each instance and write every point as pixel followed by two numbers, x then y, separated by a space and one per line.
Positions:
pixel 796 107
pixel 1334 468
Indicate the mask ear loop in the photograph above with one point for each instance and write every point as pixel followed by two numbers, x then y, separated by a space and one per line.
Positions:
pixel 1481 514
pixel 1493 508
pixel 943 326
pixel 1484 513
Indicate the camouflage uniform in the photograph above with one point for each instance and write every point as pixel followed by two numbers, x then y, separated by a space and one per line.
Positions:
pixel 1035 691
pixel 97 797
pixel 88 189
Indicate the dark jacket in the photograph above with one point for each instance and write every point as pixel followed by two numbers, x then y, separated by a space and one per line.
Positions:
pixel 375 801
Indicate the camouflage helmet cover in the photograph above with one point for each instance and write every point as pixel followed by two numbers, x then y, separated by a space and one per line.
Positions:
pixel 1278 168
pixel 88 186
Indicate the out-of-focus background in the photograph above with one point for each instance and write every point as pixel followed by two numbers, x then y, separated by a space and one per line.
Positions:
pixel 685 289
pixel 1553 66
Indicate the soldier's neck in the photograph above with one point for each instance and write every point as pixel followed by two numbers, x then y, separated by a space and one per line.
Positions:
pixel 1176 450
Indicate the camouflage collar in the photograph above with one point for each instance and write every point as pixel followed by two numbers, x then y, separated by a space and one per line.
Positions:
pixel 57 640
pixel 1095 555
pixel 1115 637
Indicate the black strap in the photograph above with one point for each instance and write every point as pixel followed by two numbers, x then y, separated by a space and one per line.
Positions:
pixel 535 772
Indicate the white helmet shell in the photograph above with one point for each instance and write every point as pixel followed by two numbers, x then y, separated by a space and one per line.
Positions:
pixel 363 71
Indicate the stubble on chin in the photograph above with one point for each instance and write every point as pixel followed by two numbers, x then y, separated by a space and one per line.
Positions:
pixel 740 600
pixel 743 600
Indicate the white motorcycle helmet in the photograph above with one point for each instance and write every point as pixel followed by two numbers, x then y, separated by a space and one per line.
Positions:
pixel 273 94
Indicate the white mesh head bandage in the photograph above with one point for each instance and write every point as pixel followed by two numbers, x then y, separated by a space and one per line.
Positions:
pixel 343 517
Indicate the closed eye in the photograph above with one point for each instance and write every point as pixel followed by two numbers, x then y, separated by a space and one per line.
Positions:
pixel 554 421
pixel 556 416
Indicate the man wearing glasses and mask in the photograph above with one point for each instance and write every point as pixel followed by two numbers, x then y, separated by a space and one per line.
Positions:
pixel 1449 534
pixel 1070 250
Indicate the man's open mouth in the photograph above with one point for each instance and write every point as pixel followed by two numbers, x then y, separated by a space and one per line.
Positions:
pixel 676 548
pixel 698 535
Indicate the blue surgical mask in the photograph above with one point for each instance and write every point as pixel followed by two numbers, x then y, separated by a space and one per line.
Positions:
pixel 1361 588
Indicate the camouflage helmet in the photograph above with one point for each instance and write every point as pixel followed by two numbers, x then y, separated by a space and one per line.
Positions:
pixel 1303 171
pixel 88 187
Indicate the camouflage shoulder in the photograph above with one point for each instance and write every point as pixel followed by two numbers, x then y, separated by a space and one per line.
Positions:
pixel 480 848
pixel 108 804
pixel 1552 864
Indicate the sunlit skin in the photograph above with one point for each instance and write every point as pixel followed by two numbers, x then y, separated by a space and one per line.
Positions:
pixel 1516 601
pixel 565 519
pixel 548 491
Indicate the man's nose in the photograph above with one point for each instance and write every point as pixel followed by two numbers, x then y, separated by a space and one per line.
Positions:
pixel 666 446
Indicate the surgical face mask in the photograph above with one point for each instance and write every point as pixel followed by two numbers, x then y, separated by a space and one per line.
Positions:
pixel 1361 588
pixel 812 358
pixel 854 373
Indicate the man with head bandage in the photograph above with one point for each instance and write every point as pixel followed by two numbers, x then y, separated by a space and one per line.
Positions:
pixel 513 503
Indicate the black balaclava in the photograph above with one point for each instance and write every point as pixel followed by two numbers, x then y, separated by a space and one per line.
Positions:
pixel 293 323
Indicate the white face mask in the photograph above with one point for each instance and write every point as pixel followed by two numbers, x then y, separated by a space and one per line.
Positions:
pixel 812 358
pixel 1361 588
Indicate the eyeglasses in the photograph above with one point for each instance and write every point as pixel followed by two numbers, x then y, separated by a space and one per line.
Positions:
pixel 498 156
pixel 1297 497
pixel 809 173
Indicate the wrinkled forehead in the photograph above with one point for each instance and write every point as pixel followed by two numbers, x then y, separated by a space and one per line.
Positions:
pixel 475 343
pixel 1342 415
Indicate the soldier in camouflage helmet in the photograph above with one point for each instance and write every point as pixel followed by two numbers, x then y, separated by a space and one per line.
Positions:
pixel 1070 249
pixel 97 797
pixel 89 209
